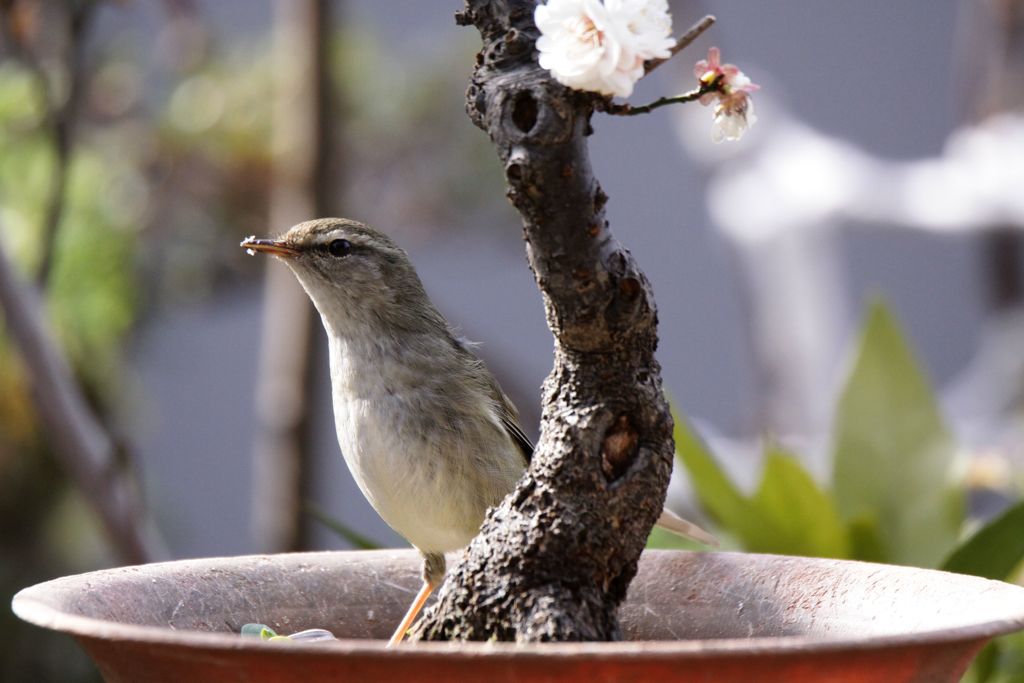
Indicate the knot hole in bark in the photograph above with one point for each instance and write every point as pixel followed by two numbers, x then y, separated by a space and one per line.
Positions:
pixel 626 308
pixel 618 451
pixel 524 111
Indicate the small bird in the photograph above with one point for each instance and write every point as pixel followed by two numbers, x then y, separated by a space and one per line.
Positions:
pixel 429 436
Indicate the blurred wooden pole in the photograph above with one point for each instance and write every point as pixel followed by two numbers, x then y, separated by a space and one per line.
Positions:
pixel 302 183
pixel 993 81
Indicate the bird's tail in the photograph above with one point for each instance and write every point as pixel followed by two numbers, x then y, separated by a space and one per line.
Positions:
pixel 670 521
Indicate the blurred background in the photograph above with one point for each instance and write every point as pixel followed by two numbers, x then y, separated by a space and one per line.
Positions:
pixel 163 395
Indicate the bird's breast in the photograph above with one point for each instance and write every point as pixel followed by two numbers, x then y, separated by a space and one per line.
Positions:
pixel 429 475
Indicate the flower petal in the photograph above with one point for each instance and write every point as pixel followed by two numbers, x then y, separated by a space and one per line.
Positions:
pixel 601 46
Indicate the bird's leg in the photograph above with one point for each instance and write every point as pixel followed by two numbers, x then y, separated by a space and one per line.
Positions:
pixel 410 616
pixel 433 574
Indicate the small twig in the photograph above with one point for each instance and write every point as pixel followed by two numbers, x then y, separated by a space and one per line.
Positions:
pixel 684 41
pixel 21 52
pixel 62 119
pixel 59 118
pixel 630 110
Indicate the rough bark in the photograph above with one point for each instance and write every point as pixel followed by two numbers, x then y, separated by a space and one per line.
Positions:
pixel 554 560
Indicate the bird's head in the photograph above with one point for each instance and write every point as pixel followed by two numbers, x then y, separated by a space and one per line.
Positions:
pixel 358 278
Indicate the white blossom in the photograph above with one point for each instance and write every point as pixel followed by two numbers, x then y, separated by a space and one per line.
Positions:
pixel 734 111
pixel 734 114
pixel 602 46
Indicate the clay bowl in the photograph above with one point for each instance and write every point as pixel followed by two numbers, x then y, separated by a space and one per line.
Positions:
pixel 720 617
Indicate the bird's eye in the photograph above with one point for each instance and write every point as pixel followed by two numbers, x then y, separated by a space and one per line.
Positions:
pixel 339 248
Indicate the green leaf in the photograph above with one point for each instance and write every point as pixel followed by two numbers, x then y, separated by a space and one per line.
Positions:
pixel 347 533
pixel 803 518
pixel 789 513
pixel 995 550
pixel 984 665
pixel 893 453
pixel 866 539
pixel 716 493
pixel 1002 661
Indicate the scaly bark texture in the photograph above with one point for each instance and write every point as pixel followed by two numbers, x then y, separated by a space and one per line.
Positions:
pixel 553 561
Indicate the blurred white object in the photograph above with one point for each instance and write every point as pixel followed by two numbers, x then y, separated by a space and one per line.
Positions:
pixel 801 179
pixel 778 208
pixel 780 203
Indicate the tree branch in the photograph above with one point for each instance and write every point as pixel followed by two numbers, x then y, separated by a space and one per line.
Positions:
pixel 630 110
pixel 63 118
pixel 553 561
pixel 61 114
pixel 78 440
pixel 684 41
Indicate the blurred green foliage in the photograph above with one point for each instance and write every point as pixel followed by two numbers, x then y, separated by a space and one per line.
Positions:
pixel 788 514
pixel 171 164
pixel 134 174
pixel 893 456
pixel 995 550
pixel 406 132
pixel 91 304
pixel 895 495
pixel 164 180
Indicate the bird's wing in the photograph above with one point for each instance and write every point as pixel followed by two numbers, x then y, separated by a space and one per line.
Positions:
pixel 516 432
pixel 507 412
pixel 510 420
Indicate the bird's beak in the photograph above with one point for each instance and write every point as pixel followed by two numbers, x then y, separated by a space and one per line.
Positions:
pixel 273 247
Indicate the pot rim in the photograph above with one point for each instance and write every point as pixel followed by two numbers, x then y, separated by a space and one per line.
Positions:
pixel 30 605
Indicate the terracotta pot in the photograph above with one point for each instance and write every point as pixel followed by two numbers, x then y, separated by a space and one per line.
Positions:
pixel 719 617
